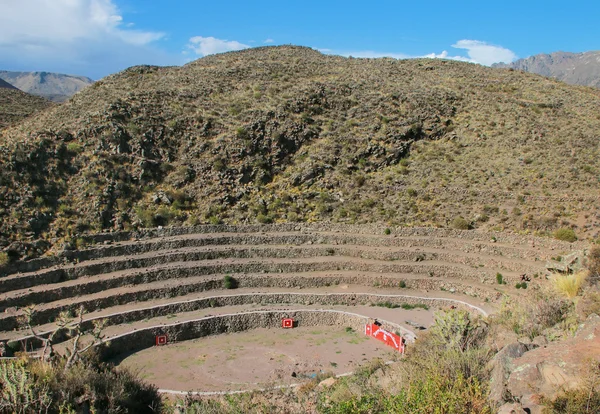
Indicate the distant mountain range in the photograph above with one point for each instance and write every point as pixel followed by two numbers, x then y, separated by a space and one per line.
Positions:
pixel 53 86
pixel 573 68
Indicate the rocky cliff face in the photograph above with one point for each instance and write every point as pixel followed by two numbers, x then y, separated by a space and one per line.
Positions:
pixel 283 134
pixel 574 68
pixel 53 86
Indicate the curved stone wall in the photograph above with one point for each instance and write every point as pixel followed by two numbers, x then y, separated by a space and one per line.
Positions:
pixel 145 338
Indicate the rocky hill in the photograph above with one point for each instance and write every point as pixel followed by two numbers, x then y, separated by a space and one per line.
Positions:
pixel 280 134
pixel 15 105
pixel 573 68
pixel 53 86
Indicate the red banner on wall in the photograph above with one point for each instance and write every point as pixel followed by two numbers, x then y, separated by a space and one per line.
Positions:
pixel 388 338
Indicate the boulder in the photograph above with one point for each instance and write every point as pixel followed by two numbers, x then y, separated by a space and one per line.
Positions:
pixel 501 366
pixel 556 366
pixel 511 408
pixel 328 382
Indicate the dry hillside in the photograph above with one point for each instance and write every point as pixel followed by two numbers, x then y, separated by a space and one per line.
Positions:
pixel 16 105
pixel 281 134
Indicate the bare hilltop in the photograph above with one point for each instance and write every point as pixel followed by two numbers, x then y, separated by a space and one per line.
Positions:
pixel 287 134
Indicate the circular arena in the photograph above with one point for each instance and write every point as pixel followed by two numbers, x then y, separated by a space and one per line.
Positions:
pixel 201 309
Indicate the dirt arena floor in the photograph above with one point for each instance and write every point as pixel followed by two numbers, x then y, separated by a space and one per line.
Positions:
pixel 255 359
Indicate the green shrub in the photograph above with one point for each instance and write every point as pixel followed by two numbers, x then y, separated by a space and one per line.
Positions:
pixel 499 279
pixel 432 394
pixel 402 284
pixel 409 306
pixel 387 231
pixel 74 147
pixel 32 386
pixel 264 219
pixel 565 234
pixel 4 259
pixel 229 282
pixel 460 223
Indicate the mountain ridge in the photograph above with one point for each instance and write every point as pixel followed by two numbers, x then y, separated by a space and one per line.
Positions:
pixel 573 68
pixel 56 87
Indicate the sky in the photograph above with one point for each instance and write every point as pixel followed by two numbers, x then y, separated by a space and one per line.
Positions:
pixel 98 37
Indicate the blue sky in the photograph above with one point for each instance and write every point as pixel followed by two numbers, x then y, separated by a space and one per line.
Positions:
pixel 98 37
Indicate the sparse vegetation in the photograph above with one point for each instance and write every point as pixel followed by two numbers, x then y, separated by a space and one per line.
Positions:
pixel 565 234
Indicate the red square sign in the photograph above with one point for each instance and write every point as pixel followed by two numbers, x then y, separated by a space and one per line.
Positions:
pixel 287 323
pixel 161 340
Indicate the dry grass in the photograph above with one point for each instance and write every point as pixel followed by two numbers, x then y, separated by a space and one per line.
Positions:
pixel 570 285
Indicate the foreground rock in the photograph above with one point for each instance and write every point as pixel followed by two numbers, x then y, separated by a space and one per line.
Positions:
pixel 549 369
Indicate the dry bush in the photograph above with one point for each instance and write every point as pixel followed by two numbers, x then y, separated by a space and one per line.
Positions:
pixel 460 223
pixel 593 262
pixel 570 285
pixel 35 386
pixel 589 303
pixel 565 234
pixel 534 317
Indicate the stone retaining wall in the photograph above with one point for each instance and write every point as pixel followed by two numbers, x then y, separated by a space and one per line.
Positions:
pixel 372 229
pixel 138 340
pixel 279 299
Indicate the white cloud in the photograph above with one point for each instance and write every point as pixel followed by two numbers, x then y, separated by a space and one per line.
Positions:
pixel 72 35
pixel 210 45
pixel 477 51
pixel 485 53
pixel 267 41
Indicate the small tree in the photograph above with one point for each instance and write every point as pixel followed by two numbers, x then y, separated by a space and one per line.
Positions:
pixel 75 330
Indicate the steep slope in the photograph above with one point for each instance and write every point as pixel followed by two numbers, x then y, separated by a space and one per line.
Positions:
pixel 287 134
pixel 574 68
pixel 6 85
pixel 16 105
pixel 53 86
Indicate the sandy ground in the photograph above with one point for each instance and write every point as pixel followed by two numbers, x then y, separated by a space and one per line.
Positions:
pixel 256 358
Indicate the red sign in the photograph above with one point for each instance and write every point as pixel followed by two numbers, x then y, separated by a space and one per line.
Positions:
pixel 388 338
pixel 161 340
pixel 287 323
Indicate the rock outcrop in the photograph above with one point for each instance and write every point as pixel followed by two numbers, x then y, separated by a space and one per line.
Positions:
pixel 548 369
